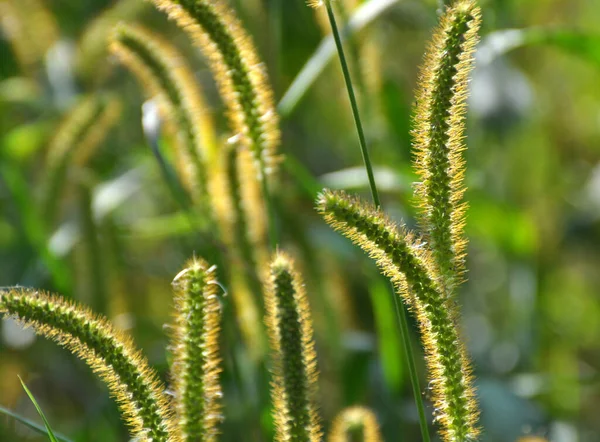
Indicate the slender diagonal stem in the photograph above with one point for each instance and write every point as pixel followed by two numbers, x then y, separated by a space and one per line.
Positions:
pixel 401 314
pixel 267 195
pixel 355 113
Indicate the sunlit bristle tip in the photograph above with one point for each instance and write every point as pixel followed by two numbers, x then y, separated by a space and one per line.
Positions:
pixel 411 268
pixel 167 78
pixel 438 134
pixel 195 346
pixel 315 3
pixel 239 73
pixel 355 424
pixel 294 365
pixel 109 352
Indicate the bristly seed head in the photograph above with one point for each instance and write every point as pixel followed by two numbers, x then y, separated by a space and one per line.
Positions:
pixel 293 352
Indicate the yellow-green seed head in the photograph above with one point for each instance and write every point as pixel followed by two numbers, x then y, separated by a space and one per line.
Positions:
pixel 195 345
pixel 438 135
pixel 239 73
pixel 411 268
pixel 166 76
pixel 293 354
pixel 110 353
pixel 355 424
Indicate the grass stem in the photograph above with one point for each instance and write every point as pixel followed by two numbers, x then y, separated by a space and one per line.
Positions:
pixel 355 113
pixel 400 312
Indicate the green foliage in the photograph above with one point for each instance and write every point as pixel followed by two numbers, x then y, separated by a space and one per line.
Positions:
pixel 87 213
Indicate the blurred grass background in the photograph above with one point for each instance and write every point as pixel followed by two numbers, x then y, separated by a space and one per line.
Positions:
pixel 530 308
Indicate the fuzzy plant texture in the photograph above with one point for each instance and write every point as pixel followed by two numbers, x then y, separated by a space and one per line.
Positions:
pixel 227 182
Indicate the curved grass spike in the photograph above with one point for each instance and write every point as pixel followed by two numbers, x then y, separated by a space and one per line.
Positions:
pixel 195 346
pixel 411 268
pixel 293 352
pixel 355 424
pixel 240 75
pixel 109 352
pixel 165 74
pixel 439 136
pixel 75 141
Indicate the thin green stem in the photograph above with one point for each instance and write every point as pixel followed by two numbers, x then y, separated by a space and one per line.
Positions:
pixel 400 312
pixel 272 228
pixel 412 368
pixel 355 113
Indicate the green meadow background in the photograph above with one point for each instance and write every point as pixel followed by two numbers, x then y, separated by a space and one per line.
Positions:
pixel 530 307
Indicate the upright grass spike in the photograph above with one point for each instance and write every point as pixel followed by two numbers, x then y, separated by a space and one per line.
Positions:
pixel 355 424
pixel 195 346
pixel 75 141
pixel 241 76
pixel 412 270
pixel 439 133
pixel 109 353
pixel 293 352
pixel 239 209
pixel 165 74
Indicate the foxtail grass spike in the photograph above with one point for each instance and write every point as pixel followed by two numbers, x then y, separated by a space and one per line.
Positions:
pixel 439 136
pixel 240 75
pixel 355 424
pixel 196 361
pixel 75 141
pixel 165 75
pixel 294 368
pixel 411 268
pixel 110 354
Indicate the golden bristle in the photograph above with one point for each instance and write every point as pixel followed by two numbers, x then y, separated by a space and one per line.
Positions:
pixel 358 421
pixel 293 353
pixel 195 345
pixel 239 73
pixel 109 352
pixel 165 74
pixel 439 136
pixel 411 267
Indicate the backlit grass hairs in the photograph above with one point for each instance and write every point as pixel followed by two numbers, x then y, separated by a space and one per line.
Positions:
pixel 241 76
pixel 411 267
pixel 166 76
pixel 83 129
pixel 110 354
pixel 195 346
pixel 355 424
pixel 438 136
pixel 294 367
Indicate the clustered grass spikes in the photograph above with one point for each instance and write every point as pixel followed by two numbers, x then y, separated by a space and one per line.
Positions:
pixel 109 352
pixel 195 346
pixel 239 73
pixel 294 367
pixel 80 133
pixel 166 76
pixel 438 136
pixel 355 424
pixel 411 267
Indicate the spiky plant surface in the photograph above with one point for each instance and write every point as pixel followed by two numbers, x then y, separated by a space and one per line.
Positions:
pixel 411 268
pixel 195 346
pixel 355 424
pixel 294 384
pixel 167 77
pixel 238 71
pixel 109 352
pixel 439 136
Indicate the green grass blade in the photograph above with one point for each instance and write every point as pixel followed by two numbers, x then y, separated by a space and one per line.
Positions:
pixel 49 431
pixel 31 425
pixel 364 15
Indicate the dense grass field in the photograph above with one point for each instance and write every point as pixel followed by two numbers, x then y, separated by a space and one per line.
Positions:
pixel 101 203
